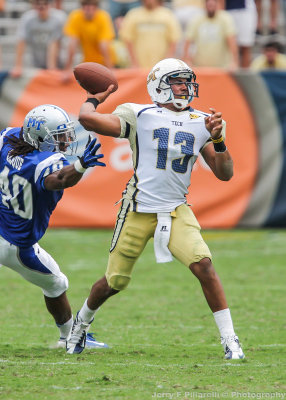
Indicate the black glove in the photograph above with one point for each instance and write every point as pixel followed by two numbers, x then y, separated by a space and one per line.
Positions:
pixel 89 157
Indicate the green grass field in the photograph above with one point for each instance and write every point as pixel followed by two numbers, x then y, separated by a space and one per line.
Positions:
pixel 162 336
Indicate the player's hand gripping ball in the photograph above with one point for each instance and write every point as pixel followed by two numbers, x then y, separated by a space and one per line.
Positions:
pixel 95 78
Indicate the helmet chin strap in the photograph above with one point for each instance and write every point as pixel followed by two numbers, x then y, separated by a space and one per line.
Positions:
pixel 182 103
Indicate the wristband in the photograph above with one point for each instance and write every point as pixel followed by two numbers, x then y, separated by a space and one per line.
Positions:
pixel 78 167
pixel 217 140
pixel 93 101
pixel 219 147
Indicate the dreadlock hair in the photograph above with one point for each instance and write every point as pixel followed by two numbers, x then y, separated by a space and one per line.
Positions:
pixel 19 146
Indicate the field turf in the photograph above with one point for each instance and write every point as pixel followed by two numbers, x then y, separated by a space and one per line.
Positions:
pixel 162 336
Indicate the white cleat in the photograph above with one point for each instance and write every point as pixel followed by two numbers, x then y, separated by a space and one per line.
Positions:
pixel 232 348
pixel 90 343
pixel 75 343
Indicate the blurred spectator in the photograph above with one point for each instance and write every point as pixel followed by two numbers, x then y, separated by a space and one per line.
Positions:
pixel 121 54
pixel 210 39
pixel 271 57
pixel 119 8
pixel 187 10
pixel 273 20
pixel 151 32
pixel 2 6
pixel 40 29
pixel 58 4
pixel 283 12
pixel 92 29
pixel 244 15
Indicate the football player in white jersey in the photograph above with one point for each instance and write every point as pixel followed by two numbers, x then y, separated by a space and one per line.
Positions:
pixel 33 174
pixel 166 138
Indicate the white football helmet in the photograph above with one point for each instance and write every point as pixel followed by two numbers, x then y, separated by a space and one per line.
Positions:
pixel 159 88
pixel 49 128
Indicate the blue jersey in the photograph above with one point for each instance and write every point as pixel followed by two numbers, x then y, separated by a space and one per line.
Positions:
pixel 25 204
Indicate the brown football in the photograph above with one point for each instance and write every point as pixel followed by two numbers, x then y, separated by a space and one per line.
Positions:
pixel 95 78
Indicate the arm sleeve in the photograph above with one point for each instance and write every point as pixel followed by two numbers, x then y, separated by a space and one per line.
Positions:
pixel 106 30
pixel 49 166
pixel 72 26
pixel 127 31
pixel 229 25
pixel 128 120
pixel 59 18
pixel 22 33
pixel 174 28
pixel 191 29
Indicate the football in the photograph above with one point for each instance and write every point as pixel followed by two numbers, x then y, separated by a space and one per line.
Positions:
pixel 95 78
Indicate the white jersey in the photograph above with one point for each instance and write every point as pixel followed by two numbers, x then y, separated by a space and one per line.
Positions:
pixel 165 145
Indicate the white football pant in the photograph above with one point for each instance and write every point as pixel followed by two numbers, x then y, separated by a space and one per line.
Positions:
pixel 35 265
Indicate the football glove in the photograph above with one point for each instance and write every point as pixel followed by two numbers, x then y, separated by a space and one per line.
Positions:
pixel 89 157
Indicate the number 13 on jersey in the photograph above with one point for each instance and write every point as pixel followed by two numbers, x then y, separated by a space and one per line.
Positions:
pixel 185 139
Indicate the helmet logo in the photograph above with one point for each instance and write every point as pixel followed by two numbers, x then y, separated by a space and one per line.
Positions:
pixel 62 126
pixel 35 123
pixel 152 76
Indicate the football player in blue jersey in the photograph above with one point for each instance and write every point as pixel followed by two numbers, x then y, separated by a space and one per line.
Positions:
pixel 33 174
pixel 166 137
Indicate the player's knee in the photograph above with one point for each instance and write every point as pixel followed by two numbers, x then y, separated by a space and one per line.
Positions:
pixel 56 287
pixel 203 268
pixel 64 284
pixel 118 282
